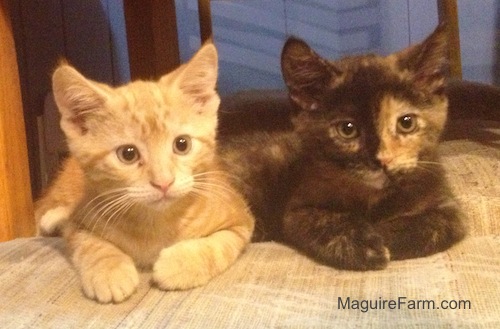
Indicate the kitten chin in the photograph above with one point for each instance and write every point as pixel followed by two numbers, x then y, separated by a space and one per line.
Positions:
pixel 374 179
pixel 162 202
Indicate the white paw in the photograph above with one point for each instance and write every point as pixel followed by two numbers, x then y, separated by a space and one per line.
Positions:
pixel 112 284
pixel 182 266
pixel 53 219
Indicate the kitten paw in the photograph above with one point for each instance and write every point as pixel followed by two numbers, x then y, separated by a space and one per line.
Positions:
pixel 107 285
pixel 52 221
pixel 360 251
pixel 181 267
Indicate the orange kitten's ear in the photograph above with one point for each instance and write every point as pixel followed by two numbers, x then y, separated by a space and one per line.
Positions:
pixel 198 77
pixel 427 61
pixel 77 98
pixel 306 74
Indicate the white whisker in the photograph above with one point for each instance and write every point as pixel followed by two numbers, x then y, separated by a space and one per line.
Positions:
pixel 100 212
pixel 224 192
pixel 105 195
pixel 424 165
pixel 427 166
pixel 430 163
pixel 211 194
pixel 99 204
pixel 122 208
pixel 115 203
pixel 217 173
pixel 214 184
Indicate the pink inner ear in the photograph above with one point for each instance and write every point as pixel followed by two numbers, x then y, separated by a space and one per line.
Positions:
pixel 305 102
pixel 79 122
pixel 199 94
pixel 431 82
pixel 202 99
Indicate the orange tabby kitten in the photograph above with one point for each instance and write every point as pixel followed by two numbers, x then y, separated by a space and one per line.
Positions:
pixel 143 188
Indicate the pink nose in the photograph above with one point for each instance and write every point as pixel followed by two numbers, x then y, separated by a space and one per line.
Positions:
pixel 162 186
pixel 385 160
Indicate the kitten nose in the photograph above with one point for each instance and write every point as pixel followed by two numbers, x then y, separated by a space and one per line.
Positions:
pixel 162 186
pixel 385 161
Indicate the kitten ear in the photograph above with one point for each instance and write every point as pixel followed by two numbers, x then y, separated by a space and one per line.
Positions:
pixel 77 98
pixel 427 61
pixel 198 77
pixel 306 74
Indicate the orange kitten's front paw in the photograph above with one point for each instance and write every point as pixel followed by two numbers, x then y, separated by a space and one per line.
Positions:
pixel 181 267
pixel 110 284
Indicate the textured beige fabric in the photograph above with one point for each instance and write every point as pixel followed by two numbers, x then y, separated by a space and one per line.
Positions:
pixel 270 286
pixel 273 286
pixel 473 171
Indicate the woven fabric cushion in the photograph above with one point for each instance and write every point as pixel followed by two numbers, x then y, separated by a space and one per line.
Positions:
pixel 473 172
pixel 272 285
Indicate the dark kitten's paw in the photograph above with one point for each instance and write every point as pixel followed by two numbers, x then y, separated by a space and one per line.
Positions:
pixel 359 250
pixel 425 234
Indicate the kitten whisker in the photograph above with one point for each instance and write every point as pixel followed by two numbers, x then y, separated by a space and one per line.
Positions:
pixel 424 165
pixel 211 181
pixel 430 163
pixel 208 192
pixel 122 208
pixel 96 203
pixel 99 203
pixel 223 190
pixel 106 195
pixel 216 173
pixel 427 166
pixel 113 204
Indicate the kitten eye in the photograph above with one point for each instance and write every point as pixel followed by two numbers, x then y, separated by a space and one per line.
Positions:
pixel 347 130
pixel 406 124
pixel 128 154
pixel 182 145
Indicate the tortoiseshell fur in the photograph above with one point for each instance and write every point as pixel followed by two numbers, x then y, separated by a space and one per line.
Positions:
pixel 357 182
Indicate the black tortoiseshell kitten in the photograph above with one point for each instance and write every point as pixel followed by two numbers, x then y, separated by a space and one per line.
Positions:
pixel 358 181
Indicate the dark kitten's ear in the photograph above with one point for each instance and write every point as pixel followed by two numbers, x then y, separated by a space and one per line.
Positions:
pixel 306 74
pixel 427 61
pixel 77 98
